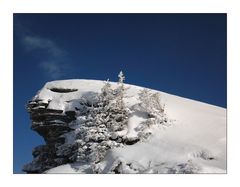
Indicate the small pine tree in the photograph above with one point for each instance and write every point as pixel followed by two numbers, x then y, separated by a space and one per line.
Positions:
pixel 144 97
pixel 157 106
pixel 106 94
pixel 121 90
pixel 121 77
pixel 151 103
pixel 98 132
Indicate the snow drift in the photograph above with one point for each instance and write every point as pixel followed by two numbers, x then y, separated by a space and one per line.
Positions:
pixel 92 126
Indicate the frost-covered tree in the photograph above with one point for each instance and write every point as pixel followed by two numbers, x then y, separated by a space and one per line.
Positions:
pixel 121 77
pixel 120 90
pixel 152 105
pixel 119 109
pixel 99 128
pixel 144 97
pixel 151 102
pixel 157 106
pixel 106 95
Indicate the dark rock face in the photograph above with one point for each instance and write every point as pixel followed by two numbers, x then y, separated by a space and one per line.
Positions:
pixel 50 124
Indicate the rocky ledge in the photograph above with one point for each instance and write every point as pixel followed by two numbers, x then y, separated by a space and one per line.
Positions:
pixel 50 124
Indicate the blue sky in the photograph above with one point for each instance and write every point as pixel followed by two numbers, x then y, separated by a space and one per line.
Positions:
pixel 181 54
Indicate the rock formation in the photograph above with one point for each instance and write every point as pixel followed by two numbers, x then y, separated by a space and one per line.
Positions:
pixel 50 124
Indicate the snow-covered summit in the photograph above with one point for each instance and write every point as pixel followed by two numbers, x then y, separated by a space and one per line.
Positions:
pixel 92 126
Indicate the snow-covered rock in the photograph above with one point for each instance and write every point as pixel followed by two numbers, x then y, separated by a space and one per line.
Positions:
pixel 91 126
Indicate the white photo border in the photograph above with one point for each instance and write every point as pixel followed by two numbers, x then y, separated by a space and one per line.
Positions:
pixel 9 7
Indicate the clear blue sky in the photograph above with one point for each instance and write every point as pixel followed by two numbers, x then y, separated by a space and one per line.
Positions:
pixel 182 54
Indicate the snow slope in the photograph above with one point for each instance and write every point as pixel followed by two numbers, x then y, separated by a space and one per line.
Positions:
pixel 195 142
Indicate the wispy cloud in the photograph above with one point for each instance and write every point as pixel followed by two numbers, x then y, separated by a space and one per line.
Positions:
pixel 54 62
pixel 33 43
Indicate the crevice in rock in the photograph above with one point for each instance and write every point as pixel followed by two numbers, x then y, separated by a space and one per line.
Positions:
pixel 63 90
pixel 131 141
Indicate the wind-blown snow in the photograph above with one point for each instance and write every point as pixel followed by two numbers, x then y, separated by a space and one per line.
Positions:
pixel 194 143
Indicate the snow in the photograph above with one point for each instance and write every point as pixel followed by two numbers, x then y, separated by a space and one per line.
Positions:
pixel 195 142
pixel 70 168
pixel 134 120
